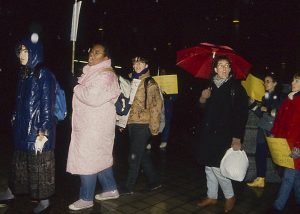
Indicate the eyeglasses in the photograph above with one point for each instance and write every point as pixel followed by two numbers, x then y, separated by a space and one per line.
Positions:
pixel 226 66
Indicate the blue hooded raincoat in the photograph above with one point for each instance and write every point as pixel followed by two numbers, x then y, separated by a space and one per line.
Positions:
pixel 35 102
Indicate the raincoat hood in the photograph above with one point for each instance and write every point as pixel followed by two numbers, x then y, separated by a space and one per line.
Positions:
pixel 35 52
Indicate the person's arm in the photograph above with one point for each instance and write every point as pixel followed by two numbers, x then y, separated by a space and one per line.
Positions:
pixel 155 103
pixel 102 89
pixel 47 85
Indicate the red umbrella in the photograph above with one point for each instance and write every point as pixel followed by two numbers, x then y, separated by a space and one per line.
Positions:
pixel 198 60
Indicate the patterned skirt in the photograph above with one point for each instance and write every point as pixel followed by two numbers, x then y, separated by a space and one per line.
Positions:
pixel 33 174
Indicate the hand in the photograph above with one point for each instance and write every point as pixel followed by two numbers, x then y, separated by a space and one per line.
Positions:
pixel 264 109
pixel 121 129
pixel 205 95
pixel 40 141
pixel 236 144
pixel 251 100
pixel 295 153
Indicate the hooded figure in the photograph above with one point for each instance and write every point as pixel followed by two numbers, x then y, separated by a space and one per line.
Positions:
pixel 34 126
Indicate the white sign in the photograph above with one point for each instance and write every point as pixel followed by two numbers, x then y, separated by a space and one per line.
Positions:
pixel 75 20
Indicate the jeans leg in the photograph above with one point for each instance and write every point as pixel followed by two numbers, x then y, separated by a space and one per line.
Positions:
pixel 212 183
pixel 148 168
pixel 286 187
pixel 297 187
pixel 107 180
pixel 261 153
pixel 137 133
pixel 87 187
pixel 224 182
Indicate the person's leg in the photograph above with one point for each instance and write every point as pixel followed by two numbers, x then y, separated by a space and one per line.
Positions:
pixel 261 154
pixel 87 187
pixel 107 180
pixel 227 189
pixel 137 148
pixel 86 194
pixel 212 188
pixel 297 187
pixel 224 182
pixel 212 183
pixel 109 186
pixel 286 187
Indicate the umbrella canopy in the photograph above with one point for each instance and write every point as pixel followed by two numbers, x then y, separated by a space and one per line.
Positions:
pixel 198 60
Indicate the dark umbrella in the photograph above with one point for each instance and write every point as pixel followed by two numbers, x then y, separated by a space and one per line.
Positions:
pixel 198 60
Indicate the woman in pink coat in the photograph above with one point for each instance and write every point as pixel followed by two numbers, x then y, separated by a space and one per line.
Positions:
pixel 93 129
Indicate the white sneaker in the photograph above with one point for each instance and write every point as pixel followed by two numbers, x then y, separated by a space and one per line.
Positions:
pixel 148 146
pixel 81 204
pixel 163 145
pixel 107 195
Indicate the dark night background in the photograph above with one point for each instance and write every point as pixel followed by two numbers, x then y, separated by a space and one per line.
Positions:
pixel 267 35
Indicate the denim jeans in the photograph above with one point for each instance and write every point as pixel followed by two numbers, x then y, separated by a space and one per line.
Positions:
pixel 139 135
pixel 214 178
pixel 88 183
pixel 261 153
pixel 290 180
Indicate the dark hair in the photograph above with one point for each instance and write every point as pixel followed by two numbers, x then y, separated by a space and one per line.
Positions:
pixel 215 63
pixel 273 76
pixel 139 59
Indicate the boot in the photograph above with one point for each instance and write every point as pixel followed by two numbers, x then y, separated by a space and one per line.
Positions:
pixel 207 202
pixel 258 182
pixel 229 204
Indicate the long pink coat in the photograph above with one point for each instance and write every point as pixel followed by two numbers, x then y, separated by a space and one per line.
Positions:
pixel 93 120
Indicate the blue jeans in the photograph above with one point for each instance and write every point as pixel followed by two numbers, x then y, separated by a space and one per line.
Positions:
pixel 261 153
pixel 290 180
pixel 88 183
pixel 139 135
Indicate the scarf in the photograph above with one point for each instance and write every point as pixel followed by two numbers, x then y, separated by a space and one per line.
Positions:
pixel 137 75
pixel 219 82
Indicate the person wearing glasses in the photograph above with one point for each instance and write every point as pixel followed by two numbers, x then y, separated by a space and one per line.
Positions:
pixel 225 106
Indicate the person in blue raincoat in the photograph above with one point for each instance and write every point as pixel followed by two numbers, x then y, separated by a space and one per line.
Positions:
pixel 34 123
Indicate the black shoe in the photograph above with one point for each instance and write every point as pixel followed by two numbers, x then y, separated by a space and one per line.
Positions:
pixel 125 191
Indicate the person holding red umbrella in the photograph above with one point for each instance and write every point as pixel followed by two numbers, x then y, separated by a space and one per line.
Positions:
pixel 225 105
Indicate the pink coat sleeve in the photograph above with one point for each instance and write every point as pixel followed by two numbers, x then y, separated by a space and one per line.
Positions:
pixel 101 89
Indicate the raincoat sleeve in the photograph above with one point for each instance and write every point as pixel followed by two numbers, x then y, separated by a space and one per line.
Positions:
pixel 47 87
pixel 155 103
pixel 240 115
pixel 102 89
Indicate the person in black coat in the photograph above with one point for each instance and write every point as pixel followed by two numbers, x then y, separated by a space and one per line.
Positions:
pixel 225 115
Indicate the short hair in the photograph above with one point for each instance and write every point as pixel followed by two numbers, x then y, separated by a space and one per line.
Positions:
pixel 139 59
pixel 273 76
pixel 296 75
pixel 215 64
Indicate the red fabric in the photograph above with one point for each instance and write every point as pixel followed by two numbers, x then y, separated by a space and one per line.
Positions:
pixel 287 124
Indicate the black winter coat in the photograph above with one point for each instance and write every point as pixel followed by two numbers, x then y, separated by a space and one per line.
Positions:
pixel 225 116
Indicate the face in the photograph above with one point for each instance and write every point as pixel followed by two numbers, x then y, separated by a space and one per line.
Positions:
pixel 296 85
pixel 139 66
pixel 269 84
pixel 223 69
pixel 96 55
pixel 23 56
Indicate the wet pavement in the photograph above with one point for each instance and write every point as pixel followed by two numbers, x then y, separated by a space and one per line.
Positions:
pixel 183 183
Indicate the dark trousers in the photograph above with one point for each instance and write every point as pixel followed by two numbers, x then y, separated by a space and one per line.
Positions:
pixel 261 153
pixel 139 135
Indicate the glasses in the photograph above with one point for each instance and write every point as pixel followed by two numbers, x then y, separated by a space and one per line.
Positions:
pixel 226 66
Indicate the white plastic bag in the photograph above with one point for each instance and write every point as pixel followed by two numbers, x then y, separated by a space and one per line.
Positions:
pixel 234 165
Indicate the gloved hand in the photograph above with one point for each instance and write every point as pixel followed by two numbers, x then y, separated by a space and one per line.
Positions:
pixel 39 143
pixel 295 153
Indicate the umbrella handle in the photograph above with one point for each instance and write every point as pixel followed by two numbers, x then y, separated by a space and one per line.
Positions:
pixel 214 54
